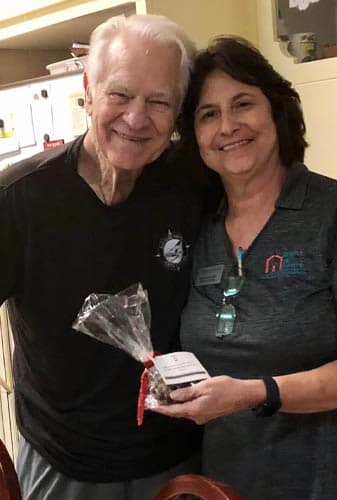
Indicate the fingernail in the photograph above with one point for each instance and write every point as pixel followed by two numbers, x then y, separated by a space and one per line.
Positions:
pixel 174 395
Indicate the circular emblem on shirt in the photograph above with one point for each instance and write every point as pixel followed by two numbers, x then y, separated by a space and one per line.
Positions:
pixel 173 250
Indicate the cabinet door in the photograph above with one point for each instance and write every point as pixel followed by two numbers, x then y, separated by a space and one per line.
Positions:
pixel 8 429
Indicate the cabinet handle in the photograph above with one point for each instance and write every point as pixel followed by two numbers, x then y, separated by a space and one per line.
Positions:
pixel 5 386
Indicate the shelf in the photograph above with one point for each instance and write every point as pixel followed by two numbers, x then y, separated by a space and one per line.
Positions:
pixel 307 29
pixel 58 29
pixel 275 50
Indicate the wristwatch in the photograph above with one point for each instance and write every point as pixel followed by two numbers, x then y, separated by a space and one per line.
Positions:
pixel 272 402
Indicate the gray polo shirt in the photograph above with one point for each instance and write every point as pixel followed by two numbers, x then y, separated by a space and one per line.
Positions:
pixel 286 322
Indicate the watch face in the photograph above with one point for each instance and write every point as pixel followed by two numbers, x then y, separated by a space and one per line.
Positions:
pixel 265 410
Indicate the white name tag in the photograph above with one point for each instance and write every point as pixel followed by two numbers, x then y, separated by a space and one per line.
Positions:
pixel 210 275
pixel 180 368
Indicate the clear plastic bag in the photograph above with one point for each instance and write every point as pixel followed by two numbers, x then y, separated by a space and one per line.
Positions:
pixel 123 321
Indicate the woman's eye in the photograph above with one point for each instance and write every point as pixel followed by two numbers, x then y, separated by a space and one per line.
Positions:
pixel 208 115
pixel 243 104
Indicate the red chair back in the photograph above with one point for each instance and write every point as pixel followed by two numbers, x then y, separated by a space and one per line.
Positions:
pixel 9 484
pixel 200 486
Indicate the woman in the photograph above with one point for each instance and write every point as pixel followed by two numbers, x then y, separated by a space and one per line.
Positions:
pixel 261 315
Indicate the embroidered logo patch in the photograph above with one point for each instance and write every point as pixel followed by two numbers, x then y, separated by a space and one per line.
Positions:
pixel 290 263
pixel 173 250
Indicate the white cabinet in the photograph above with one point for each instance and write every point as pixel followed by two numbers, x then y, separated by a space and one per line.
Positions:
pixel 8 430
pixel 52 106
pixel 58 115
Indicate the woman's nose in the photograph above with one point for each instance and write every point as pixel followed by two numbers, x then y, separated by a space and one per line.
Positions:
pixel 229 123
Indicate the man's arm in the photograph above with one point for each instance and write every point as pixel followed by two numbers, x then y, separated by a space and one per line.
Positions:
pixel 9 246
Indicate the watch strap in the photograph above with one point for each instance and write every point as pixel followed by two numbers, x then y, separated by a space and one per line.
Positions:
pixel 272 402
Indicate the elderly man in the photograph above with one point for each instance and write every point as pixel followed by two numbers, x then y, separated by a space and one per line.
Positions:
pixel 99 215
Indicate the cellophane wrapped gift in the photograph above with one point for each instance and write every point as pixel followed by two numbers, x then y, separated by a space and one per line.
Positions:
pixel 123 321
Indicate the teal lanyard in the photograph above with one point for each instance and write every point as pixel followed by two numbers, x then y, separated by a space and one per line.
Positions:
pixel 227 313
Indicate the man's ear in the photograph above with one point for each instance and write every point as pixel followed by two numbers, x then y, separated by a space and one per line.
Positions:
pixel 88 96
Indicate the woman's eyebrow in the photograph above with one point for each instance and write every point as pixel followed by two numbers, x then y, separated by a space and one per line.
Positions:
pixel 204 106
pixel 242 94
pixel 233 99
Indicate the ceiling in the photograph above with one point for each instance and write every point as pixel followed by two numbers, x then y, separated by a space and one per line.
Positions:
pixel 61 36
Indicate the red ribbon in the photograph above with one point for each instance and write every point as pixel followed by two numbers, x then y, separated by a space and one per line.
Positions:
pixel 144 385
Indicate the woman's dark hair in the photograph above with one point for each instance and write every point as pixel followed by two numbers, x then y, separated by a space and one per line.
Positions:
pixel 243 62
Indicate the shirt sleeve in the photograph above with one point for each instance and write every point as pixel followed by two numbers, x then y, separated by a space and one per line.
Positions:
pixel 332 259
pixel 9 246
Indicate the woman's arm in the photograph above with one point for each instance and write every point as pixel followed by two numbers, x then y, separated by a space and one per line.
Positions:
pixel 303 392
pixel 310 391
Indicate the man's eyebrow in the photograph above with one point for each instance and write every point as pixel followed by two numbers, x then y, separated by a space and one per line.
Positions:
pixel 116 85
pixel 165 94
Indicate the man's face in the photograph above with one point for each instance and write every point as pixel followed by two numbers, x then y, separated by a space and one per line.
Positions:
pixel 135 101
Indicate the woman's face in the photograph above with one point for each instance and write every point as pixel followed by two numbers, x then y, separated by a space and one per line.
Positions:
pixel 234 128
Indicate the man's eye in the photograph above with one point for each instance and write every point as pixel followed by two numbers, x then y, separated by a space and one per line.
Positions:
pixel 159 103
pixel 118 97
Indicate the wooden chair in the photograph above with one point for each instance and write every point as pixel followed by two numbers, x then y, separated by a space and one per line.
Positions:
pixel 201 487
pixel 9 484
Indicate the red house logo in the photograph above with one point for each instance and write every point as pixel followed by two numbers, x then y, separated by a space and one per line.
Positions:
pixel 273 264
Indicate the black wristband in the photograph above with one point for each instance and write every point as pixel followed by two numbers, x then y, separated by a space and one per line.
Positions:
pixel 272 402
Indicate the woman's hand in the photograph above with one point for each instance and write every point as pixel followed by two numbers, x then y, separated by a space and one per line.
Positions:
pixel 214 397
pixel 302 392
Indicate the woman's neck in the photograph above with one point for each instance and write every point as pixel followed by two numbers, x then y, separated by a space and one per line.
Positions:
pixel 250 206
pixel 255 194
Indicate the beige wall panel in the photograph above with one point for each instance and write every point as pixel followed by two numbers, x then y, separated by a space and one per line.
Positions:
pixel 320 111
pixel 203 19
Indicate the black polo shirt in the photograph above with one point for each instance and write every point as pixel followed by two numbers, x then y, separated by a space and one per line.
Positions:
pixel 76 398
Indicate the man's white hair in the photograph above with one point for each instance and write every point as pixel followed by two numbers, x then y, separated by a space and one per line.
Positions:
pixel 151 26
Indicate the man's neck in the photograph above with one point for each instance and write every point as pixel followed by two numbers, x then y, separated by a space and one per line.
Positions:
pixel 111 185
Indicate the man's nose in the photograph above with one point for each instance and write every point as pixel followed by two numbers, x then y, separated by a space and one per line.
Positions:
pixel 136 115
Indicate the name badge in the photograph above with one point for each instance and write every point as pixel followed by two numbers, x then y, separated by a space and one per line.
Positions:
pixel 210 275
